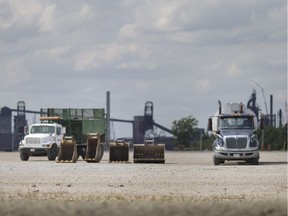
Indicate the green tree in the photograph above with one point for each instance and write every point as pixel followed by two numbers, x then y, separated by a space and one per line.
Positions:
pixel 207 141
pixel 183 129
pixel 276 137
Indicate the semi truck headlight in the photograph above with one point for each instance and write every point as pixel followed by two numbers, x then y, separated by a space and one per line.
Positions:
pixel 220 141
pixel 253 142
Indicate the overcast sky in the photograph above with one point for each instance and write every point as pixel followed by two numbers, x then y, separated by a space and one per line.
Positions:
pixel 183 55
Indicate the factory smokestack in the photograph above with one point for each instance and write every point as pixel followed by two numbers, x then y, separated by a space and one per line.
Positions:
pixel 271 110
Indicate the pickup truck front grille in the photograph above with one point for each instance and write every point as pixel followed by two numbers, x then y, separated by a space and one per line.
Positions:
pixel 32 140
pixel 236 143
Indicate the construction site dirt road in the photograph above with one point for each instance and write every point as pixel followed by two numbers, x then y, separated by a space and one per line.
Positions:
pixel 187 184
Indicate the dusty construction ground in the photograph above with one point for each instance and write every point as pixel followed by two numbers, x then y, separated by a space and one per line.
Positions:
pixel 187 184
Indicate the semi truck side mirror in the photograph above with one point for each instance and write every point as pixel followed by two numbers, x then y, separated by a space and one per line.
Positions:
pixel 26 130
pixel 209 127
pixel 64 130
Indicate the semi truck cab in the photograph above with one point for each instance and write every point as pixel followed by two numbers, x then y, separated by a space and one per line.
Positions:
pixel 235 134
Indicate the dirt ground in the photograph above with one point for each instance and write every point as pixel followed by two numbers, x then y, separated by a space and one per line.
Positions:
pixel 187 184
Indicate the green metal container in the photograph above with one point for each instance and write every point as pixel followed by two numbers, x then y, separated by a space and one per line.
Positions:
pixel 78 122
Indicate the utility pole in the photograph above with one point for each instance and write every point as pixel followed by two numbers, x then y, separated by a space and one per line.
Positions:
pixel 286 112
pixel 107 134
pixel 201 140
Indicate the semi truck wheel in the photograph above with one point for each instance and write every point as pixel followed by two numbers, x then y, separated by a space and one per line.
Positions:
pixel 216 160
pixel 52 152
pixel 81 152
pixel 253 161
pixel 24 156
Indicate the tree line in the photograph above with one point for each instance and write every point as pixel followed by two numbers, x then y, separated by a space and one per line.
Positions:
pixel 188 137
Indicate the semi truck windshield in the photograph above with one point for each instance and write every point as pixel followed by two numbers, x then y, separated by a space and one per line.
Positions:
pixel 236 122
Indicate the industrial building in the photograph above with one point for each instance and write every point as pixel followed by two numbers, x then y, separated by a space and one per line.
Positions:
pixel 16 118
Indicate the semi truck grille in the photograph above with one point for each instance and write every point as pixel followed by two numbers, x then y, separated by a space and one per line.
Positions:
pixel 234 143
pixel 32 140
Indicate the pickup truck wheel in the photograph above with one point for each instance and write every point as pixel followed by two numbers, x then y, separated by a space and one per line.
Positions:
pixel 52 152
pixel 24 156
pixel 216 160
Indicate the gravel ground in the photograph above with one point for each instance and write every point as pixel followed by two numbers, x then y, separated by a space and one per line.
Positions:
pixel 187 184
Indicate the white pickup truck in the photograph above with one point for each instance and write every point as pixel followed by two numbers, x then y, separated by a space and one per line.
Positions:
pixel 42 139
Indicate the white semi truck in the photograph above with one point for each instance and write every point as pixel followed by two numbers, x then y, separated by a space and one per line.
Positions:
pixel 234 128
pixel 42 139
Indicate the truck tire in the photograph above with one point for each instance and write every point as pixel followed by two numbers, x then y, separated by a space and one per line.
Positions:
pixel 24 155
pixel 52 152
pixel 254 161
pixel 216 161
pixel 81 152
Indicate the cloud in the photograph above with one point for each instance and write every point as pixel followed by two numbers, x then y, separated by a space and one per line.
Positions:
pixel 13 73
pixel 130 55
pixel 6 20
pixel 203 84
pixel 15 14
pixel 233 70
pixel 129 31
pixel 46 21
pixel 85 12
pixel 208 21
pixel 183 55
pixel 54 53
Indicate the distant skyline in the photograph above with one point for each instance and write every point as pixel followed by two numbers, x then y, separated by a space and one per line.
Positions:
pixel 182 55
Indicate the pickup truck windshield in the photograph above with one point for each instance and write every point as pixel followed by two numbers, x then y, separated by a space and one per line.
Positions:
pixel 236 122
pixel 42 129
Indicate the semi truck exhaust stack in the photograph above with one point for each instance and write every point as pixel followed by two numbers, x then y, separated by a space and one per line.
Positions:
pixel 220 107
